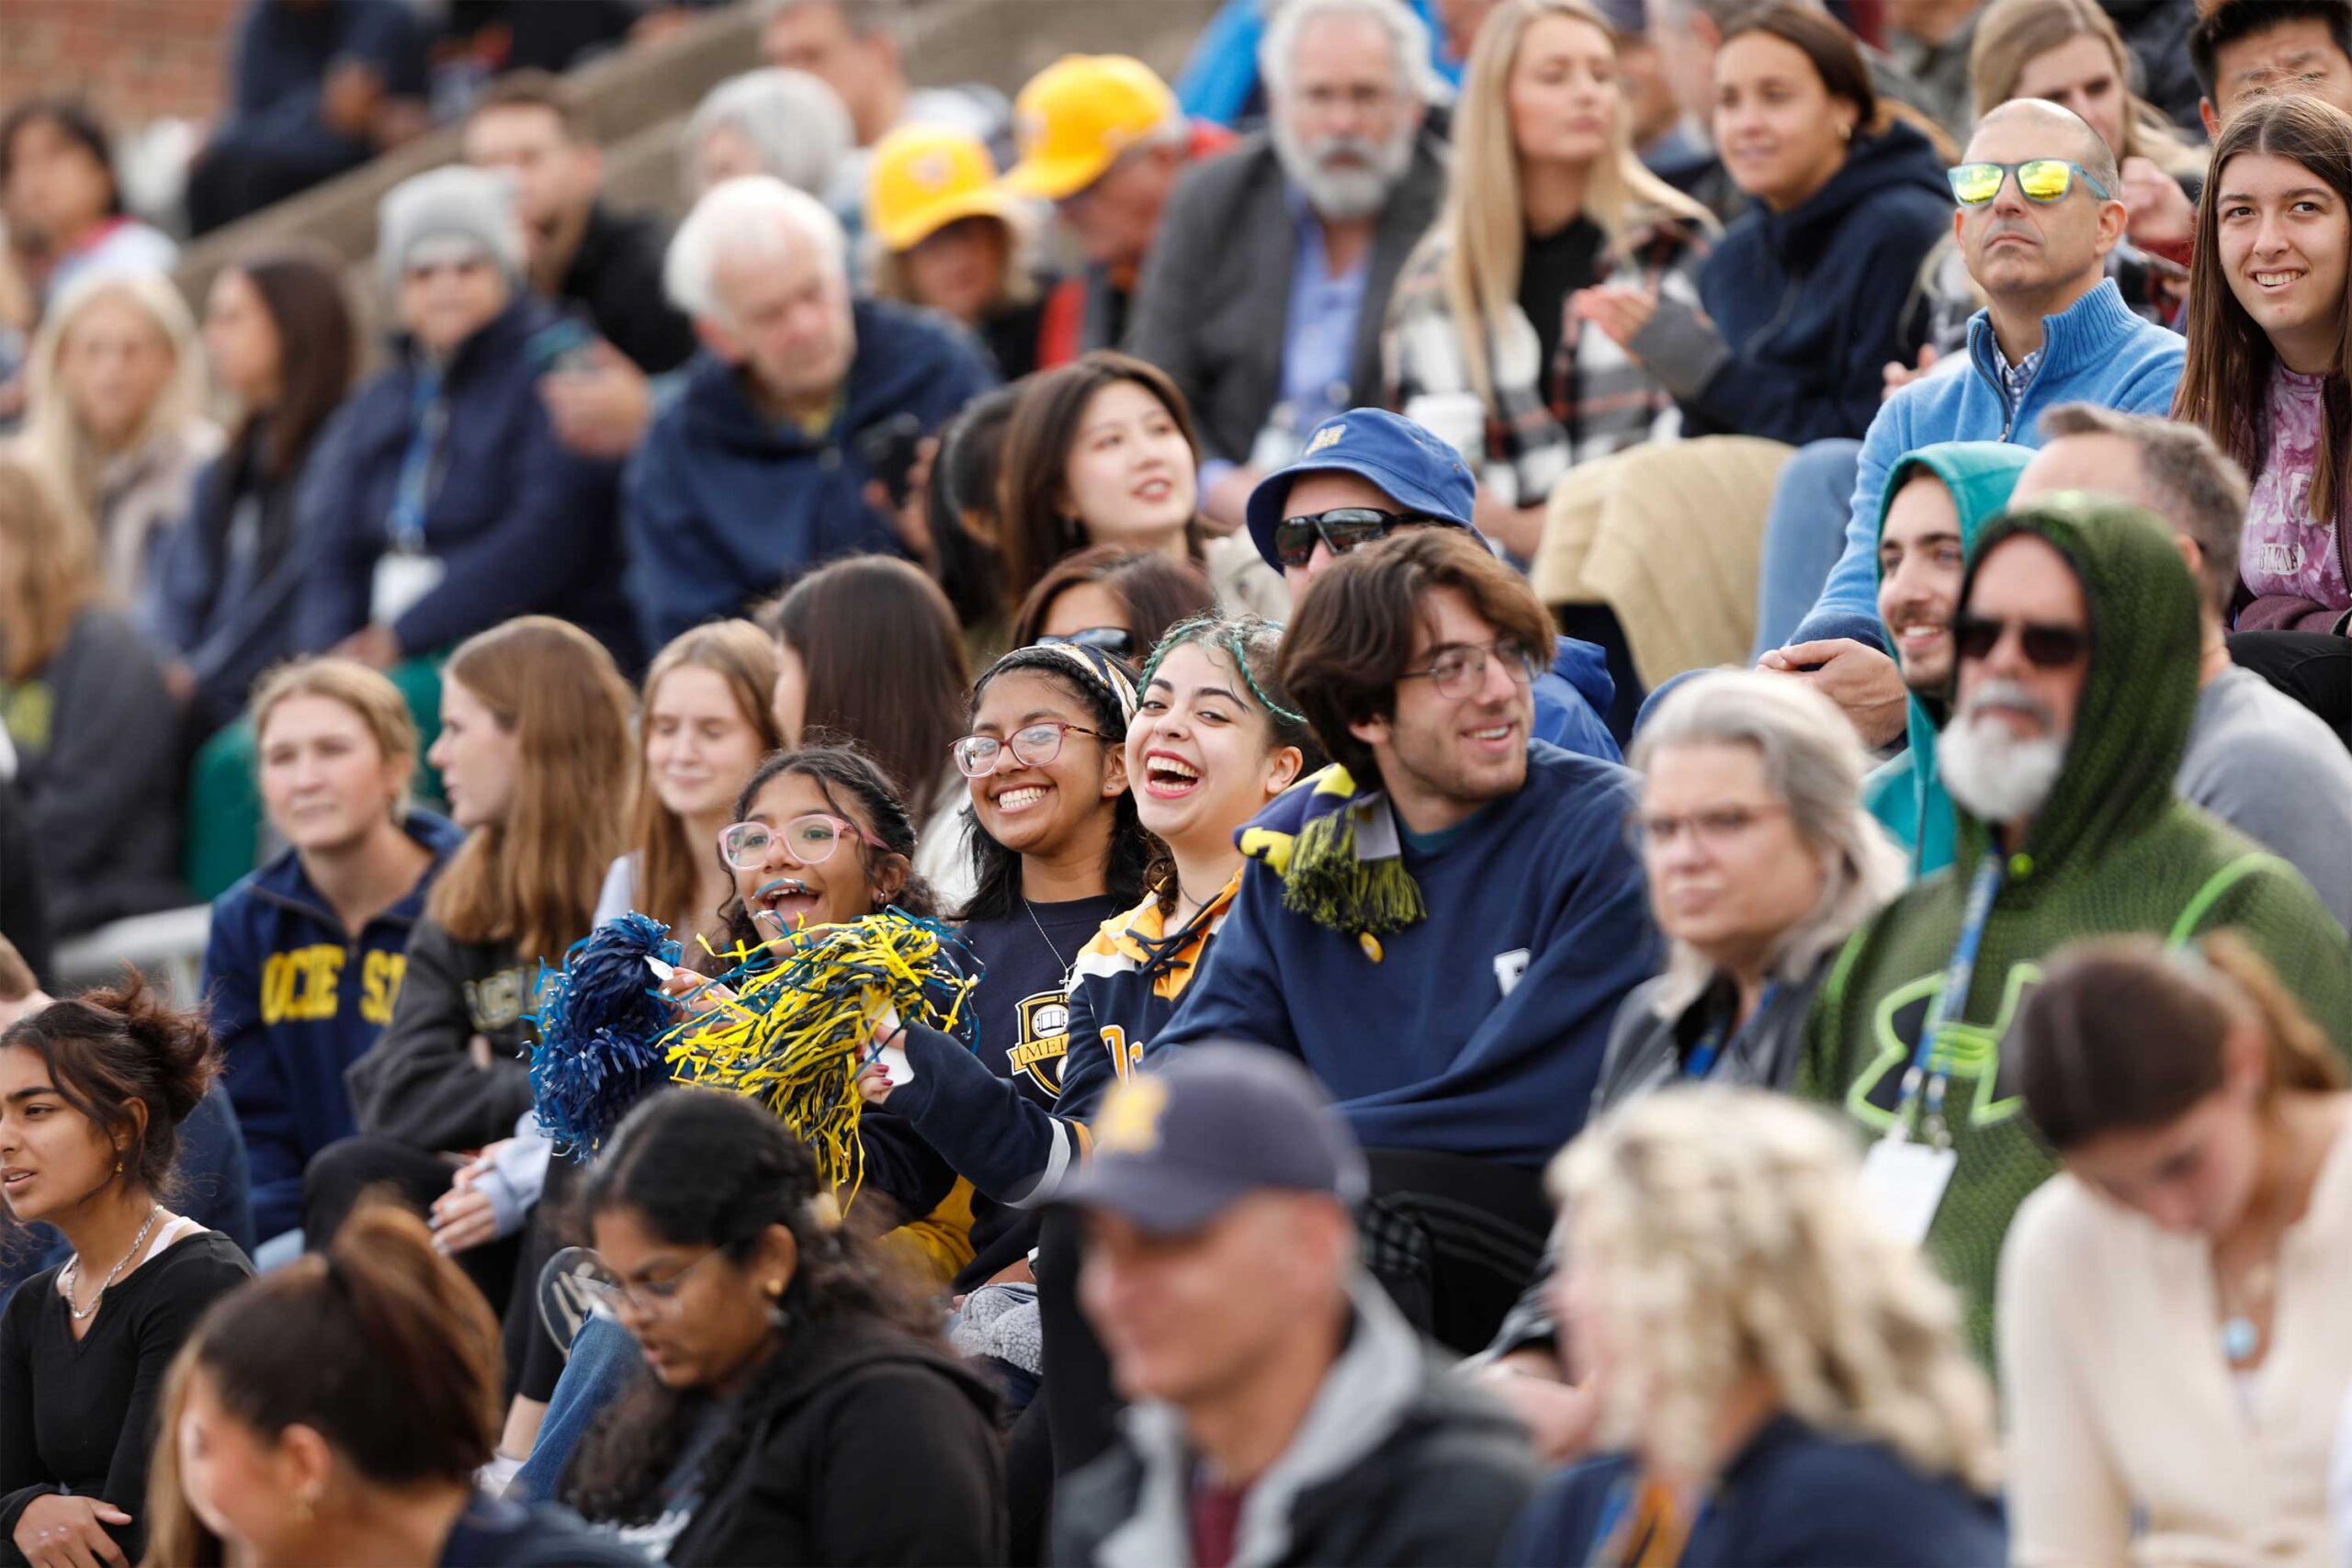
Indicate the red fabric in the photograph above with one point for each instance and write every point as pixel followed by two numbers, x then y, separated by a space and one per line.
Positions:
pixel 1064 321
pixel 1217 1521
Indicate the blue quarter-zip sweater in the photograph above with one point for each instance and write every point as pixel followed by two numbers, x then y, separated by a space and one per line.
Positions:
pixel 295 999
pixel 723 505
pixel 2095 351
pixel 1478 1029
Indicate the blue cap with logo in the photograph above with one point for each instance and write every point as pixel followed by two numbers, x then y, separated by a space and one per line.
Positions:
pixel 1176 1146
pixel 1409 463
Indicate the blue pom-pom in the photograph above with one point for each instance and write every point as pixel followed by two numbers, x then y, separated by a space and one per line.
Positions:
pixel 598 1020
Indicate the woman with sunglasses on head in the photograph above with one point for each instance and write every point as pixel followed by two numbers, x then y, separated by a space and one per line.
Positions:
pixel 1118 599
pixel 1761 863
pixel 2265 378
pixel 2172 1347
pixel 801 1408
pixel 336 1411
pixel 1101 452
pixel 703 722
pixel 867 650
pixel 94 1094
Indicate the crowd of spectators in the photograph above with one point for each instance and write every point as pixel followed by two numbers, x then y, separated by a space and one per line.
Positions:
pixel 1627 722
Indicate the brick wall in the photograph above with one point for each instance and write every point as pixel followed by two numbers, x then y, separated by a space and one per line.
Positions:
pixel 133 59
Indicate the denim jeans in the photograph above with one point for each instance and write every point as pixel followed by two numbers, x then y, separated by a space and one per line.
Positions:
pixel 604 1361
pixel 1805 534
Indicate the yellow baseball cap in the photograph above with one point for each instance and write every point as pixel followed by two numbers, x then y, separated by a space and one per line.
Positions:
pixel 923 178
pixel 1078 115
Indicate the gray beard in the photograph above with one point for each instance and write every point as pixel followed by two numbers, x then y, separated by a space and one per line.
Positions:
pixel 1994 777
pixel 1344 196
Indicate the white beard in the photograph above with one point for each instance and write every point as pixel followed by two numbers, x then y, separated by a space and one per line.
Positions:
pixel 1344 195
pixel 1994 776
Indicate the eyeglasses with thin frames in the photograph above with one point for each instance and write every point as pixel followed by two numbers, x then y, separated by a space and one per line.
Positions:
pixel 1034 744
pixel 808 839
pixel 1461 671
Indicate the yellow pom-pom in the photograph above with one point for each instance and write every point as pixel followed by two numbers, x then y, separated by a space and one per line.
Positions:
pixel 1371 945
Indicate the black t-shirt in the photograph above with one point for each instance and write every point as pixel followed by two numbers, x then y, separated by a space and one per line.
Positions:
pixel 81 1413
pixel 1552 267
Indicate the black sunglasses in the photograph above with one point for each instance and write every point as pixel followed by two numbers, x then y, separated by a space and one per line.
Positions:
pixel 1110 640
pixel 1343 528
pixel 2045 647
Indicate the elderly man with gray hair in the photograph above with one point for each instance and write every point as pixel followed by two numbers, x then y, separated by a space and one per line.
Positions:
pixel 790 441
pixel 1269 282
pixel 2257 758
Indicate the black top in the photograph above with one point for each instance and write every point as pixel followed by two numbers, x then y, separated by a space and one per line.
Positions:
pixel 1552 267
pixel 494 1533
pixel 1012 336
pixel 80 1414
pixel 1794 1496
pixel 1021 1013
pixel 615 275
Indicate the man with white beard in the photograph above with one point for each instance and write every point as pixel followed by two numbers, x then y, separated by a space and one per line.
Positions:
pixel 2075 654
pixel 1269 280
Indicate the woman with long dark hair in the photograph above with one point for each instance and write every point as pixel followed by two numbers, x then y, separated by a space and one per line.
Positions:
pixel 2265 378
pixel 93 1094
pixel 967 535
pixel 336 1411
pixel 868 651
pixel 1101 451
pixel 279 336
pixel 2173 1357
pixel 801 1408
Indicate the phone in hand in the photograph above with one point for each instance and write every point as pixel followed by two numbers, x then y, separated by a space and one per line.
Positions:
pixel 889 451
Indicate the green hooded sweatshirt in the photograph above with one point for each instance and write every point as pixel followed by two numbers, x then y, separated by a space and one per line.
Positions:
pixel 1905 793
pixel 2113 851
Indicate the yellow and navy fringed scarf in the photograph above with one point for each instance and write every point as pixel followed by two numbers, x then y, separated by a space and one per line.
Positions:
pixel 1340 857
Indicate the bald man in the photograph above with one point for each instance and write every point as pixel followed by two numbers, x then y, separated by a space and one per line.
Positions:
pixel 2053 330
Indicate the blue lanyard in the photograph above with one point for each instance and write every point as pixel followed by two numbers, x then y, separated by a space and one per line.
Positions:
pixel 430 415
pixel 1918 1082
pixel 1710 1044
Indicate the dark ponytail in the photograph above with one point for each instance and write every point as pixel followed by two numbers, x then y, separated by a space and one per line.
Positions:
pixel 2123 1035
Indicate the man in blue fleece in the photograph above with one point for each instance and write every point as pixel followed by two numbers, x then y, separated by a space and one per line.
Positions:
pixel 1365 474
pixel 2053 330
pixel 800 408
pixel 1441 925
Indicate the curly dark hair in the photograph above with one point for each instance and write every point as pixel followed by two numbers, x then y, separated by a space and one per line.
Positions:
pixel 702 1169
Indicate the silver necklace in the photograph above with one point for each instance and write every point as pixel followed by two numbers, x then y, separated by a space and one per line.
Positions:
pixel 73 1269
pixel 1043 936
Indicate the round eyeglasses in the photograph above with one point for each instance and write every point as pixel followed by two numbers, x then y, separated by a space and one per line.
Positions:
pixel 1034 744
pixel 808 840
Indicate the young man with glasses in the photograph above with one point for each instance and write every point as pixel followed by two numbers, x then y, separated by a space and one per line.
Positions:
pixel 2075 661
pixel 2037 215
pixel 1366 473
pixel 1442 925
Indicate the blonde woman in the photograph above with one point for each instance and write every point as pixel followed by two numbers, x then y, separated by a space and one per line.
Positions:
pixel 117 394
pixel 1484 344
pixel 1781 1379
pixel 84 704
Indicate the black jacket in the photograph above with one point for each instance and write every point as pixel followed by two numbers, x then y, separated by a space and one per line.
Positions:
pixel 1213 306
pixel 1646 1052
pixel 877 1450
pixel 417 1083
pixel 1396 1462
pixel 616 276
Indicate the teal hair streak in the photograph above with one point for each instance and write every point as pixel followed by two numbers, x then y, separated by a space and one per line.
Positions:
pixel 1232 638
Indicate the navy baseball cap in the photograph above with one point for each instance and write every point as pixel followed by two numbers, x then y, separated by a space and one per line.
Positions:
pixel 1410 465
pixel 1177 1146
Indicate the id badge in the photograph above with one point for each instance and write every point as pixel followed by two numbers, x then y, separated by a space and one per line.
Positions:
pixel 1904 1184
pixel 400 580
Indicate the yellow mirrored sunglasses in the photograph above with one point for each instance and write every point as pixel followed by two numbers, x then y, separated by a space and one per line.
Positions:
pixel 2039 179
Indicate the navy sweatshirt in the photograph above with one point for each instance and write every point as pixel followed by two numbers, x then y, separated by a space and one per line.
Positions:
pixel 1477 1031
pixel 1793 1498
pixel 519 525
pixel 295 999
pixel 1811 303
pixel 1123 990
pixel 1020 1013
pixel 725 505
